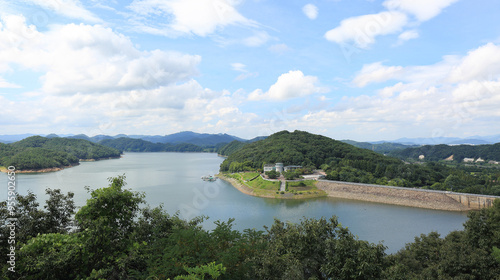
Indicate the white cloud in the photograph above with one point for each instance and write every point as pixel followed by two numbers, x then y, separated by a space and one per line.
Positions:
pixel 91 59
pixel 5 84
pixel 440 99
pixel 310 10
pixel 256 40
pixel 408 35
pixel 279 48
pixel 289 85
pixel 423 10
pixel 198 17
pixel 375 72
pixel 68 8
pixel 362 30
pixel 482 63
pixel 240 67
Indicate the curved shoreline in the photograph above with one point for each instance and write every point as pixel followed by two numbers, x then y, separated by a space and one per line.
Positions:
pixel 54 169
pixel 249 191
pixel 434 200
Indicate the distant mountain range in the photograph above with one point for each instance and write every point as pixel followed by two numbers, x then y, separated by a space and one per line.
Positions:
pixel 473 140
pixel 199 139
pixel 206 139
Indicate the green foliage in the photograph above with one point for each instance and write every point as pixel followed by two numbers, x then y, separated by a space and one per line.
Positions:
pixel 316 249
pixel 272 174
pixel 116 239
pixel 106 223
pixel 230 148
pixel 139 145
pixel 459 152
pixel 199 272
pixel 382 148
pixel 38 152
pixel 299 148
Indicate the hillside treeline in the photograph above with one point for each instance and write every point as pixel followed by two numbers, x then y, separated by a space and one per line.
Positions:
pixel 441 152
pixel 38 152
pixel 112 237
pixel 139 145
pixel 344 162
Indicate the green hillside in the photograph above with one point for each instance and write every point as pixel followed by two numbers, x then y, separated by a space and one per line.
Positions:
pixel 38 152
pixel 344 162
pixel 441 152
pixel 299 148
pixel 382 148
pixel 139 145
pixel 232 147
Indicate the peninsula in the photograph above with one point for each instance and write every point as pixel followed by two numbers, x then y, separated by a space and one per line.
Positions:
pixel 343 164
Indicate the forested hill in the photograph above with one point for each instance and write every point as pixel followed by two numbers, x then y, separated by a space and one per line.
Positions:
pixel 441 152
pixel 299 148
pixel 139 145
pixel 38 152
pixel 382 148
pixel 344 162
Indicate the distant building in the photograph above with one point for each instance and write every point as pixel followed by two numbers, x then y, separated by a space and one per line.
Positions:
pixel 468 160
pixel 479 160
pixel 292 167
pixel 269 167
pixel 278 167
pixel 493 162
pixel 421 157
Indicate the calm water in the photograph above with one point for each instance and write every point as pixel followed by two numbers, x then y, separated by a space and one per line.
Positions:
pixel 173 179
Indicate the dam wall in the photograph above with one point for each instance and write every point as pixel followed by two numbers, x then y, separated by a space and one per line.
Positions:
pixel 430 199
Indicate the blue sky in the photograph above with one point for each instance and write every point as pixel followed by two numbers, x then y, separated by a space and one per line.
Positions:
pixel 347 69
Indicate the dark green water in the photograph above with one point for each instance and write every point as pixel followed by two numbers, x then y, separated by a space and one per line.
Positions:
pixel 173 179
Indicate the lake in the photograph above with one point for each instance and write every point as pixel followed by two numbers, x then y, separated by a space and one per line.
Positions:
pixel 174 180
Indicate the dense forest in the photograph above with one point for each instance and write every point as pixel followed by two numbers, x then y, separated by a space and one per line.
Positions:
pixel 344 162
pixel 459 152
pixel 38 152
pixel 382 148
pixel 139 145
pixel 126 241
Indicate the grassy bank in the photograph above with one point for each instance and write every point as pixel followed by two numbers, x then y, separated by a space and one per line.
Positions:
pixel 252 184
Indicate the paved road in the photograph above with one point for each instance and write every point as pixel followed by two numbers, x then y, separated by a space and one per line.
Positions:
pixel 283 186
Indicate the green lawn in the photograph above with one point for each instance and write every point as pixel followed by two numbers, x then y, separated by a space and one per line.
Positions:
pixel 262 184
pixel 248 175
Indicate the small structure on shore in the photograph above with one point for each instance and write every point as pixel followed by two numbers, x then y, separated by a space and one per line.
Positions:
pixel 209 178
pixel 278 167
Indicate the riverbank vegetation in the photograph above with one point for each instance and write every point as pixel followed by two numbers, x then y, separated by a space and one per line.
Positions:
pixel 344 162
pixel 271 188
pixel 36 153
pixel 124 240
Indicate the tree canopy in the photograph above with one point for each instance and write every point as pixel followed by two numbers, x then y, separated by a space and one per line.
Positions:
pixel 114 237
pixel 38 152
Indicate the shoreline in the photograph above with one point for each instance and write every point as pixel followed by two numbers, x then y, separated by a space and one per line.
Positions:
pixel 53 169
pixel 434 200
pixel 249 191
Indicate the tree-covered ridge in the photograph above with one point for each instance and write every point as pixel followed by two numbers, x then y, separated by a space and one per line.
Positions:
pixel 441 152
pixel 38 152
pixel 139 145
pixel 82 149
pixel 112 237
pixel 230 148
pixel 299 148
pixel 344 162
pixel 382 148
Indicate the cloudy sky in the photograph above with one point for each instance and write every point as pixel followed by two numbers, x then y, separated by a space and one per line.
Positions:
pixel 347 69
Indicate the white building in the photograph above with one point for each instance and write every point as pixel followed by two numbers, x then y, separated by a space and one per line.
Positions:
pixel 278 167
pixel 468 160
